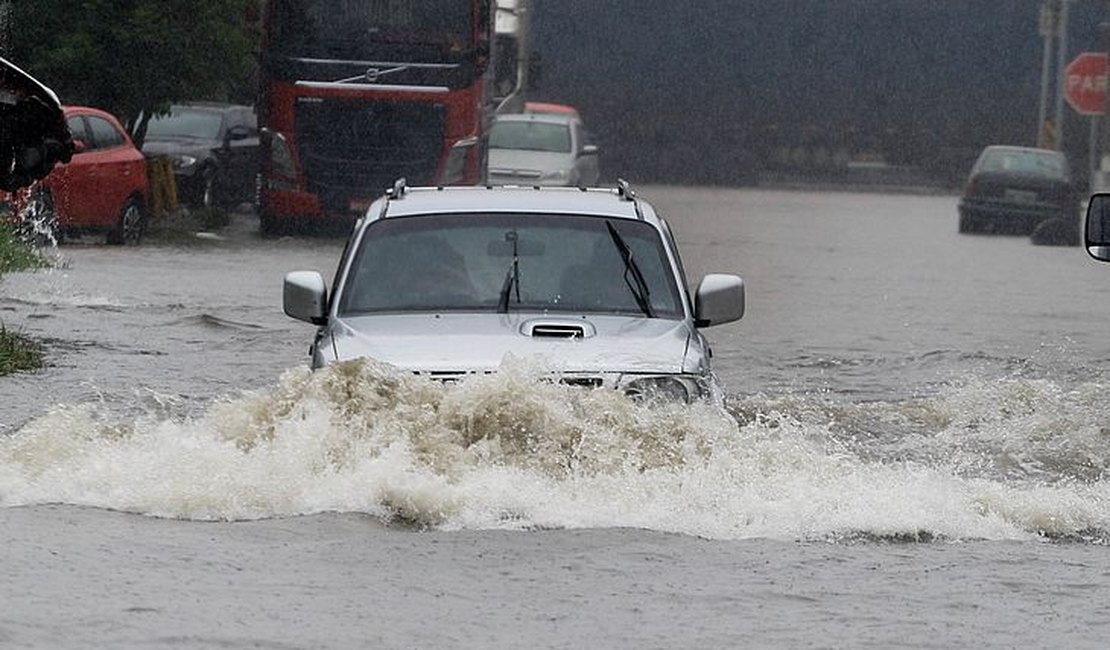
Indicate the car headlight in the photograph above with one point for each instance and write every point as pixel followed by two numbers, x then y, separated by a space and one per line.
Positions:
pixel 682 389
pixel 184 163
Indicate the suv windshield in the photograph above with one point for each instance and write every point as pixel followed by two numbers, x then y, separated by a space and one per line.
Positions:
pixel 358 29
pixel 530 136
pixel 509 262
pixel 186 123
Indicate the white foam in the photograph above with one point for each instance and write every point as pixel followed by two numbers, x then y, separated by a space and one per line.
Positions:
pixel 512 450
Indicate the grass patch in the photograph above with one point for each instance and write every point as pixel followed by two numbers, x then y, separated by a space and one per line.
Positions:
pixel 15 254
pixel 18 353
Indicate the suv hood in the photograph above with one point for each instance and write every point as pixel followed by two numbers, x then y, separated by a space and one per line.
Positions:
pixel 448 343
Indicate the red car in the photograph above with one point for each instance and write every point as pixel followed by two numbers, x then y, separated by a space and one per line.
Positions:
pixel 103 188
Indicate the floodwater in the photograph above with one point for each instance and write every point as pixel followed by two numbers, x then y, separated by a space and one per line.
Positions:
pixel 914 454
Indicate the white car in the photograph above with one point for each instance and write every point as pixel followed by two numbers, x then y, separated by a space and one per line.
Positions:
pixel 541 149
pixel 447 282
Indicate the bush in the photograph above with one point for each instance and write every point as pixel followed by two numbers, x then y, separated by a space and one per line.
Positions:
pixel 18 354
pixel 15 254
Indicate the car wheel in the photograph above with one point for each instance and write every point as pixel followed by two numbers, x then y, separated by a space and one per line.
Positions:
pixel 129 230
pixel 968 223
pixel 38 222
pixel 209 188
pixel 1059 231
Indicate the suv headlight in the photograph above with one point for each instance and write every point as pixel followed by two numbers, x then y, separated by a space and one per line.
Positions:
pixel 667 388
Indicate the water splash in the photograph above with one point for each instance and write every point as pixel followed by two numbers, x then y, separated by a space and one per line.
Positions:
pixel 36 221
pixel 515 450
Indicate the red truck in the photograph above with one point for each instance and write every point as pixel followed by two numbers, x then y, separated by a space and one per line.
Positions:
pixel 356 94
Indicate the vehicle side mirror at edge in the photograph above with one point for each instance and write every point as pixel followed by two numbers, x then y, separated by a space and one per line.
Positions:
pixel 1097 231
pixel 719 299
pixel 237 133
pixel 589 150
pixel 305 297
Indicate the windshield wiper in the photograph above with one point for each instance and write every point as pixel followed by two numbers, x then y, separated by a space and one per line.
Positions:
pixel 512 276
pixel 637 285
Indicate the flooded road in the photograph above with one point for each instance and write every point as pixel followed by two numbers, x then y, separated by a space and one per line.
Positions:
pixel 914 455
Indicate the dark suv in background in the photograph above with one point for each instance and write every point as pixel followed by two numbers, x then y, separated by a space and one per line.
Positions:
pixel 214 148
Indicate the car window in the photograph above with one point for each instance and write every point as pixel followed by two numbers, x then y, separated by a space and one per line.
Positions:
pixel 1042 163
pixel 530 136
pixel 104 135
pixel 576 129
pixel 187 123
pixel 77 129
pixel 247 118
pixel 463 262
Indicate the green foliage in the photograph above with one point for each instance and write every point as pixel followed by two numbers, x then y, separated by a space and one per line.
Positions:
pixel 135 56
pixel 18 354
pixel 15 255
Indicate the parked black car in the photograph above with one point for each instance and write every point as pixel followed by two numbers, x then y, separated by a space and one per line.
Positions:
pixel 214 148
pixel 1013 190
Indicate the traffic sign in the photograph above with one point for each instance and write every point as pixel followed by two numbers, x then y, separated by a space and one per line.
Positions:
pixel 1085 83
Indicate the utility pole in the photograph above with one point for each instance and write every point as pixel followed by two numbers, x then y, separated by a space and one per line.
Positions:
pixel 1061 63
pixel 1047 30
pixel 1099 175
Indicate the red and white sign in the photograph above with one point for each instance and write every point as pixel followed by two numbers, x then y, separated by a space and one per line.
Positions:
pixel 1085 83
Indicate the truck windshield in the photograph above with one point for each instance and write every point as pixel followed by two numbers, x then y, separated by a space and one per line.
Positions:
pixel 370 29
pixel 511 263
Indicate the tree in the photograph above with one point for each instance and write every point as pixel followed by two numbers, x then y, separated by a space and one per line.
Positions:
pixel 134 58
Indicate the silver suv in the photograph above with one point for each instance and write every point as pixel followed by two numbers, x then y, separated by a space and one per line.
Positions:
pixel 448 281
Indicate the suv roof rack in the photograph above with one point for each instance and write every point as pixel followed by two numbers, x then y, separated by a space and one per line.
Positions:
pixel 626 193
pixel 397 192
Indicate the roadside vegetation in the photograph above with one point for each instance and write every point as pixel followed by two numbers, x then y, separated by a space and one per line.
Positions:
pixel 17 353
pixel 15 254
pixel 149 55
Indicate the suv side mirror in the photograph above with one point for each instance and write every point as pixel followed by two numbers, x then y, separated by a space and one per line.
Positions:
pixel 305 297
pixel 1097 231
pixel 719 299
pixel 589 150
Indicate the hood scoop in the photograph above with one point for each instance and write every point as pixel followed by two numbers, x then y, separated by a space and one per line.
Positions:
pixel 557 329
